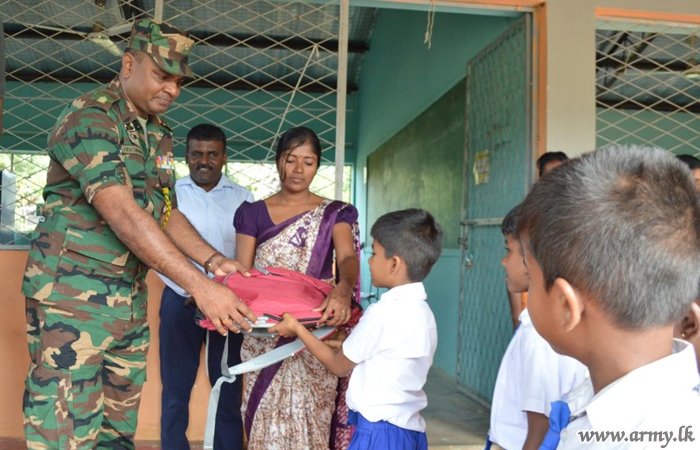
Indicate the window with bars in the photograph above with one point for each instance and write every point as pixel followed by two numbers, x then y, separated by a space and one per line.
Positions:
pixel 261 67
pixel 648 84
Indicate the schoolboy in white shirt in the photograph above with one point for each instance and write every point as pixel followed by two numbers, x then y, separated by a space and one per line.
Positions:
pixel 612 245
pixel 391 349
pixel 532 375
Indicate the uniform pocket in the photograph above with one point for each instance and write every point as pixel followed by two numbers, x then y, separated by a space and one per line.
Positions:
pixel 47 418
pixel 94 263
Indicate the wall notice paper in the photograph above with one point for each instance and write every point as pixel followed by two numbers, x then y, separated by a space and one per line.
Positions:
pixel 482 167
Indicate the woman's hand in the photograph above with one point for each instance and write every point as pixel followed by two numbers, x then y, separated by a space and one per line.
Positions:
pixel 286 328
pixel 337 304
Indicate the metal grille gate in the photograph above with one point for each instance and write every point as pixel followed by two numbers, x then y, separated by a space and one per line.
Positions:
pixel 648 84
pixel 499 143
pixel 261 66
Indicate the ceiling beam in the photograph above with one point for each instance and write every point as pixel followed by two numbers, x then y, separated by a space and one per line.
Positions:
pixel 202 82
pixel 644 65
pixel 215 39
pixel 664 106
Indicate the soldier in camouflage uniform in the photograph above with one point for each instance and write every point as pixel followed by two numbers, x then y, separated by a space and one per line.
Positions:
pixel 108 217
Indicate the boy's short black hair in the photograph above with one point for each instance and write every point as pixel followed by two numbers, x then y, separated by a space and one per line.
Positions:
pixel 621 224
pixel 206 132
pixel 691 161
pixel 414 236
pixel 509 226
pixel 550 157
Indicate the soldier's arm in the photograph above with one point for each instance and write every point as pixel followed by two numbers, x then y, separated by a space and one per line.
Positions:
pixel 138 231
pixel 190 242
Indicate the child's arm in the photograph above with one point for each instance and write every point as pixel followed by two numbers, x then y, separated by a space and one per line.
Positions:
pixel 537 426
pixel 335 361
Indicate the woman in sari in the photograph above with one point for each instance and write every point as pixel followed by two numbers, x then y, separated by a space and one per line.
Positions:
pixel 298 404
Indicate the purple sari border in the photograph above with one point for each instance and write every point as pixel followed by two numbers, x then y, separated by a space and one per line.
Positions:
pixel 277 229
pixel 324 240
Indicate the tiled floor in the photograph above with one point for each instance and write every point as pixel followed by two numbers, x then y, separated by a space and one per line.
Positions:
pixel 455 421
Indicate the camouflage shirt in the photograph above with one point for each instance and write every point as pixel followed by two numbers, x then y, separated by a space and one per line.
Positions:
pixel 75 258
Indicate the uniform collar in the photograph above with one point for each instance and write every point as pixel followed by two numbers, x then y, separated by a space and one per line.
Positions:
pixel 223 183
pixel 524 317
pixel 614 407
pixel 411 291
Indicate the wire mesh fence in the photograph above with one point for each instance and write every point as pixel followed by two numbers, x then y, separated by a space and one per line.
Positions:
pixel 648 84
pixel 260 68
pixel 499 152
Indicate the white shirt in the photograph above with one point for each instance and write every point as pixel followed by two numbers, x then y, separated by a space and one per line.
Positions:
pixel 211 214
pixel 661 396
pixel 532 376
pixel 393 346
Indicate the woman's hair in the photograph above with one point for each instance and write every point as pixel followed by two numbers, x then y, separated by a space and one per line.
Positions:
pixel 293 138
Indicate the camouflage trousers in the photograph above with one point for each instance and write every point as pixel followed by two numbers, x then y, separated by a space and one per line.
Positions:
pixel 84 383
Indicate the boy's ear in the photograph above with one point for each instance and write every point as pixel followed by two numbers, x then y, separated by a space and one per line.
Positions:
pixel 690 328
pixel 571 302
pixel 395 263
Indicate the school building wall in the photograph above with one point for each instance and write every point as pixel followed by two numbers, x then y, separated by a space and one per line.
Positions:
pixel 401 78
pixel 670 131
pixel 571 110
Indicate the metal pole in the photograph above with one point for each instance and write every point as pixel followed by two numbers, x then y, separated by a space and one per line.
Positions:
pixel 159 10
pixel 341 98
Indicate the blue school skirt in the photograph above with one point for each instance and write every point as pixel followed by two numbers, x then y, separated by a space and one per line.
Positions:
pixel 383 435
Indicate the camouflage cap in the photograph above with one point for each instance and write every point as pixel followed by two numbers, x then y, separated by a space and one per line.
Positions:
pixel 168 47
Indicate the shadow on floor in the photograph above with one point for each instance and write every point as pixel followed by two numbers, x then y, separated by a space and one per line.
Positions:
pixel 454 420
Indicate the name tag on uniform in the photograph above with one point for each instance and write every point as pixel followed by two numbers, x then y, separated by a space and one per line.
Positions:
pixel 131 150
pixel 165 162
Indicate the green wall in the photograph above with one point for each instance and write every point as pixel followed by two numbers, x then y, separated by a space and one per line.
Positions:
pixel 401 78
pixel 422 165
pixel 670 131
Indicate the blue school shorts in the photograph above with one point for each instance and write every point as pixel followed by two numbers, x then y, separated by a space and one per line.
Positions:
pixel 383 436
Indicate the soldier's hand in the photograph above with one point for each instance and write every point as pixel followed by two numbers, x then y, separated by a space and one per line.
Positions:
pixel 225 310
pixel 224 266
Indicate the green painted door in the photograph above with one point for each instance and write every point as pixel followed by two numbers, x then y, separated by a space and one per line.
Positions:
pixel 497 173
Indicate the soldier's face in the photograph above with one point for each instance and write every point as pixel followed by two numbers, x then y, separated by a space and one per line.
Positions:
pixel 150 89
pixel 205 159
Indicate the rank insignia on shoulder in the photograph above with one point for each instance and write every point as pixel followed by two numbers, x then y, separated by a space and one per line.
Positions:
pixel 165 162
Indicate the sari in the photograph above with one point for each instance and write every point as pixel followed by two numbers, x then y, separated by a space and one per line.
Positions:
pixel 297 403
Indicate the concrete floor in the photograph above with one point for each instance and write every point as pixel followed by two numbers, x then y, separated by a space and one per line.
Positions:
pixel 454 420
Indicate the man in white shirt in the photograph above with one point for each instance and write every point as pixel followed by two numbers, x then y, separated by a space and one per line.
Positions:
pixel 209 200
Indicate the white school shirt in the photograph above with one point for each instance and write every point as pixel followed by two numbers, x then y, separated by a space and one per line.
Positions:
pixel 211 214
pixel 393 346
pixel 532 376
pixel 660 396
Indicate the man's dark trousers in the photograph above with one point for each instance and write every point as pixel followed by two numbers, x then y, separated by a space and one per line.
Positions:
pixel 180 348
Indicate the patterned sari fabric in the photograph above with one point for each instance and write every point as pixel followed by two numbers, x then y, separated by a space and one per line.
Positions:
pixel 298 403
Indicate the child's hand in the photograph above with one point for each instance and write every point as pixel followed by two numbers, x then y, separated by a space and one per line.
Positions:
pixel 335 341
pixel 286 328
